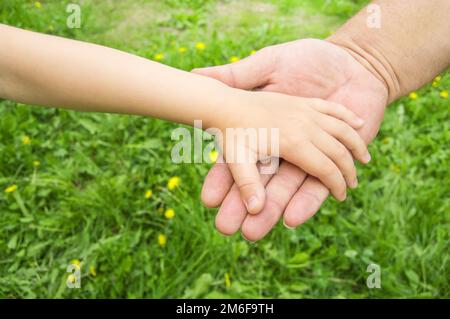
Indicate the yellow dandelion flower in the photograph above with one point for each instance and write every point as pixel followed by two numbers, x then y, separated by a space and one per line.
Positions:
pixel 234 59
pixel 227 280
pixel 26 140
pixel 76 263
pixel 92 271
pixel 252 52
pixel 182 50
pixel 444 94
pixel 200 46
pixel 438 78
pixel 213 155
pixel 148 194
pixel 36 163
pixel 158 57
pixel 173 182
pixel 395 168
pixel 11 189
pixel 38 5
pixel 72 279
pixel 162 240
pixel 413 96
pixel 435 84
pixel 170 213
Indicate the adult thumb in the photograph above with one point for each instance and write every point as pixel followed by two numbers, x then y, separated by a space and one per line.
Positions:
pixel 247 74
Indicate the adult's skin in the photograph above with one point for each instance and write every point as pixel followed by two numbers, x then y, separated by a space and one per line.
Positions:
pixel 360 67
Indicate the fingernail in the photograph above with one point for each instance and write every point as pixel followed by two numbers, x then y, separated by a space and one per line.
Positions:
pixel 367 158
pixel 288 227
pixel 354 183
pixel 360 121
pixel 251 242
pixel 252 203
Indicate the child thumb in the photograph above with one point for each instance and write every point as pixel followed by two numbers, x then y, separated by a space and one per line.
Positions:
pixel 248 180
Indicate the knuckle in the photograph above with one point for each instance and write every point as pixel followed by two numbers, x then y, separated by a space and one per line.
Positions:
pixel 341 152
pixel 328 172
pixel 308 195
pixel 287 181
pixel 246 183
pixel 340 109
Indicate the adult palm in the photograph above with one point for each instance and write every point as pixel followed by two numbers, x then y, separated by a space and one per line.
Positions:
pixel 307 68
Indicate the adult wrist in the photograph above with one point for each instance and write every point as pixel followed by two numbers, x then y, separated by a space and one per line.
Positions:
pixel 371 57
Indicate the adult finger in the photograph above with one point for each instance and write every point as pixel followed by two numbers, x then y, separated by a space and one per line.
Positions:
pixel 283 185
pixel 247 74
pixel 305 203
pixel 232 212
pixel 216 185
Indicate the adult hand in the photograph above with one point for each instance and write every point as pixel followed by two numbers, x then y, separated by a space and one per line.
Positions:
pixel 307 68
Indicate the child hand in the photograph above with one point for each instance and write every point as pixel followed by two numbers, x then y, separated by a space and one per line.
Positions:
pixel 316 135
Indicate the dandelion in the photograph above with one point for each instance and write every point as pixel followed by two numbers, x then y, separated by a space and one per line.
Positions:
pixel 92 271
pixel 159 57
pixel 234 59
pixel 11 189
pixel 148 194
pixel 200 46
pixel 182 50
pixel 444 94
pixel 26 140
pixel 36 163
pixel 162 240
pixel 213 155
pixel 252 52
pixel 413 96
pixel 170 213
pixel 437 79
pixel 173 182
pixel 160 210
pixel 395 168
pixel 38 5
pixel 227 280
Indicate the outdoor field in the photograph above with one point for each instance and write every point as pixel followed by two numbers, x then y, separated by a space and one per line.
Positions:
pixel 100 190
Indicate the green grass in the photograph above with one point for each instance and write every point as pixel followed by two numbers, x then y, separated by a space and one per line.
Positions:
pixel 86 200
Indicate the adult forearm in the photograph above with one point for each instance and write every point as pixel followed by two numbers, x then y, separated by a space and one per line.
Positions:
pixel 53 71
pixel 410 47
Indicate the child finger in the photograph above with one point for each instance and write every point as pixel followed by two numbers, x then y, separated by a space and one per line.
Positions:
pixel 314 162
pixel 347 136
pixel 339 154
pixel 338 111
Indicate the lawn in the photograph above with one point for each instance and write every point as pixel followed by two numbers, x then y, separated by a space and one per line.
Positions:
pixel 77 185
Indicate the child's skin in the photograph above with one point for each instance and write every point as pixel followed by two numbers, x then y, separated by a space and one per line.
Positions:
pixel 316 135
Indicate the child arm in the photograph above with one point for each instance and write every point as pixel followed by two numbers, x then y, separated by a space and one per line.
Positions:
pixel 52 71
